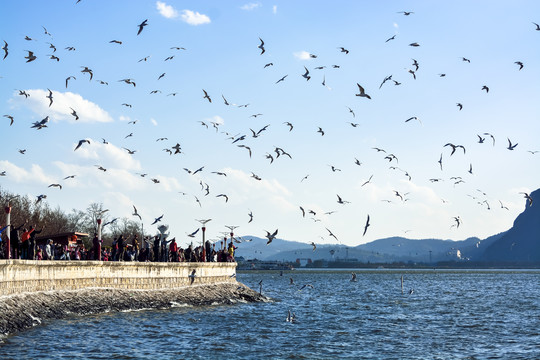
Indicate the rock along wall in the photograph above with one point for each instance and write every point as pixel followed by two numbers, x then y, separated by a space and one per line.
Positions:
pixel 22 276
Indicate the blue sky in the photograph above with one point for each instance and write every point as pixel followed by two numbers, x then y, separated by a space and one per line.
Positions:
pixel 221 56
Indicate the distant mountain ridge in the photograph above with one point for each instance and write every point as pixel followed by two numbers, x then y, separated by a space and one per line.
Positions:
pixel 518 245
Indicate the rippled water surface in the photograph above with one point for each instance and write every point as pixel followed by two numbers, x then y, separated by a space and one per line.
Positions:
pixel 450 315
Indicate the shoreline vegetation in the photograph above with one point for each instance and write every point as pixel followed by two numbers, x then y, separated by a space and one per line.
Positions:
pixel 23 311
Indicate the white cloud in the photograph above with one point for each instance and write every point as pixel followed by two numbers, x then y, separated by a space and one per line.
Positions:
pixel 194 18
pixel 89 176
pixel 20 175
pixel 108 155
pixel 61 108
pixel 274 9
pixel 168 183
pixel 166 10
pixel 248 183
pixel 302 55
pixel 250 6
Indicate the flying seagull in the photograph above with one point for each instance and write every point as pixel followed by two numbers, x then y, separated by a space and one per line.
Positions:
pixel 142 25
pixel 206 96
pixel 270 237
pixel 157 220
pixel 282 79
pixel 10 118
pixel 306 74
pixel 193 233
pixel 30 56
pixel 5 48
pixel 81 142
pixel 41 124
pixel 261 46
pixel 366 226
pixel 135 213
pixel 362 92
pixel 331 234
pixel 74 113
pixel 87 70
pixel 511 146
pixel 528 197
pixel 69 78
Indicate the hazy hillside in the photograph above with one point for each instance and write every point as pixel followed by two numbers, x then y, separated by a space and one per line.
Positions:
pixel 522 242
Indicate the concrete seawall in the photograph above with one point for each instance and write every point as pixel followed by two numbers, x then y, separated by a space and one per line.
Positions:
pixel 33 292
pixel 19 276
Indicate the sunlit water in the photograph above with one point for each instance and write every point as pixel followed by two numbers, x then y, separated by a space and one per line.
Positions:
pixel 449 315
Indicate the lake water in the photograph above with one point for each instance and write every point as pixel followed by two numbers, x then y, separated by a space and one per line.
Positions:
pixel 462 314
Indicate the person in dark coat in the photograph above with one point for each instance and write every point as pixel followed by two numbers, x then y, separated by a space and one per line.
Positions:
pixel 121 247
pixel 157 244
pixel 208 250
pixel 95 247
pixel 32 243
pixel 15 241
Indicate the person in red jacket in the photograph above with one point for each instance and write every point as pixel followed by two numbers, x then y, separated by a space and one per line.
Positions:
pixel 25 242
pixel 173 250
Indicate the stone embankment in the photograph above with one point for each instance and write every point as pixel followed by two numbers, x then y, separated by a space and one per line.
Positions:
pixel 33 292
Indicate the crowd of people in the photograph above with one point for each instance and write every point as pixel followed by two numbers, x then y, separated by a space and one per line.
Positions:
pixel 24 246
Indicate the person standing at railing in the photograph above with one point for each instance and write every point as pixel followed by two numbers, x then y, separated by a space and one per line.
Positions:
pixel 25 243
pixel 173 250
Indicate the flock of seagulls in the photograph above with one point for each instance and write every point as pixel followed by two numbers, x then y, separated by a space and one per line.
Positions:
pixel 239 140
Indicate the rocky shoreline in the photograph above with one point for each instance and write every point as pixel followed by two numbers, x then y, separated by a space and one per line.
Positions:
pixel 23 311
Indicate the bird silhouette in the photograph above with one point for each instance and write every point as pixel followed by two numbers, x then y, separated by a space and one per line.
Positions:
pixel 282 79
pixel 270 237
pixel 528 197
pixel 5 48
pixel 206 96
pixel 142 25
pixel 156 220
pixel 362 92
pixel 193 233
pixel 261 46
pixel 10 118
pixel 366 226
pixel 31 57
pixel 50 97
pixel 306 74
pixel 81 142
pixel 69 78
pixel 89 71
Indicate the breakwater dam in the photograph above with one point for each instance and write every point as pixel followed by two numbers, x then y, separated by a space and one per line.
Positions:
pixel 32 292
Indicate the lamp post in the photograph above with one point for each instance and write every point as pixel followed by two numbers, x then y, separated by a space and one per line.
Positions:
pixel 8 231
pixel 99 240
pixel 231 228
pixel 203 223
